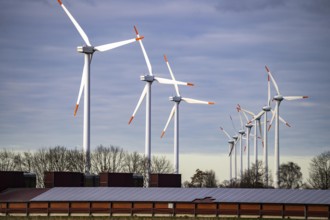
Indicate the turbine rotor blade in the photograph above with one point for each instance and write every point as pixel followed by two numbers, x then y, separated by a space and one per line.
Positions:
pixel 144 52
pixel 271 121
pixel 240 110
pixel 75 23
pixel 168 121
pixel 248 112
pixel 195 101
pixel 172 75
pixel 273 80
pixel 225 132
pixel 231 149
pixel 82 85
pixel 143 94
pixel 257 116
pixel 268 88
pixel 110 46
pixel 172 82
pixel 260 132
pixel 240 118
pixel 291 98
pixel 284 122
pixel 232 123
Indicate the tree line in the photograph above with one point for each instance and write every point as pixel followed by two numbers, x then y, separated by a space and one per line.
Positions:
pixel 290 176
pixel 60 158
pixel 115 159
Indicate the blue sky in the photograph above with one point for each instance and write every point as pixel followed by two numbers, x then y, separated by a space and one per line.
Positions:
pixel 221 46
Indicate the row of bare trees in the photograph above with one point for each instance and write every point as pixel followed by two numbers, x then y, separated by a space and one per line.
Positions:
pixel 59 158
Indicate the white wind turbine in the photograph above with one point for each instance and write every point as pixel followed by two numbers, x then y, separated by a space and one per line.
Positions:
pixel 236 138
pixel 149 78
pixel 88 50
pixel 175 111
pixel 248 134
pixel 278 98
pixel 256 125
pixel 241 133
pixel 231 143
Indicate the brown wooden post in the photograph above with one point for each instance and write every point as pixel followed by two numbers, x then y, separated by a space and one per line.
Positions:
pixel 110 206
pixel 69 209
pixel 27 208
pixel 238 210
pixel 48 204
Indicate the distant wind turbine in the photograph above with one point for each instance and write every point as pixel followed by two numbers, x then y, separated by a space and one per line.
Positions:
pixel 241 133
pixel 231 143
pixel 175 111
pixel 88 50
pixel 278 98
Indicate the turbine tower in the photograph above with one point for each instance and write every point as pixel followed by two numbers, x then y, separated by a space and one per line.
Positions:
pixel 146 93
pixel 241 133
pixel 175 111
pixel 88 51
pixel 278 98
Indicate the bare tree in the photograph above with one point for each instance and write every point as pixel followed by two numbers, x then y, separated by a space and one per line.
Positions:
pixel 319 171
pixel 161 165
pixel 108 159
pixel 8 160
pixel 290 176
pixel 133 163
pixel 75 159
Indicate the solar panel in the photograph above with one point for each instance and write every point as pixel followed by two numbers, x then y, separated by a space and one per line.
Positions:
pixel 185 195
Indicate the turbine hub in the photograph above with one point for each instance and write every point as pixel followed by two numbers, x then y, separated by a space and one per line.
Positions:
pixel 175 98
pixel 147 78
pixel 86 49
pixel 278 98
pixel 266 108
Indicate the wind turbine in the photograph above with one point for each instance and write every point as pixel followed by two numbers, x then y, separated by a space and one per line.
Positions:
pixel 231 143
pixel 256 125
pixel 88 50
pixel 146 93
pixel 235 139
pixel 278 98
pixel 248 127
pixel 241 133
pixel 175 111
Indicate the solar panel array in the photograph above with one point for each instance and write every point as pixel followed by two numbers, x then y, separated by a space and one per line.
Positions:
pixel 225 195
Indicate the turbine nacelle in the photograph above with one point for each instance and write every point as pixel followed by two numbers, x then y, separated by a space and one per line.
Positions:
pixel 266 108
pixel 147 78
pixel 231 142
pixel 278 98
pixel 241 132
pixel 235 137
pixel 249 126
pixel 175 98
pixel 86 49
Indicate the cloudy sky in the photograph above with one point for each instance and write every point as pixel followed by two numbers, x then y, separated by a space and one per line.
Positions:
pixel 220 46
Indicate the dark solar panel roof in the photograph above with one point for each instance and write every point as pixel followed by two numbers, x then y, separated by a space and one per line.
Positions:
pixel 185 195
pixel 20 194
